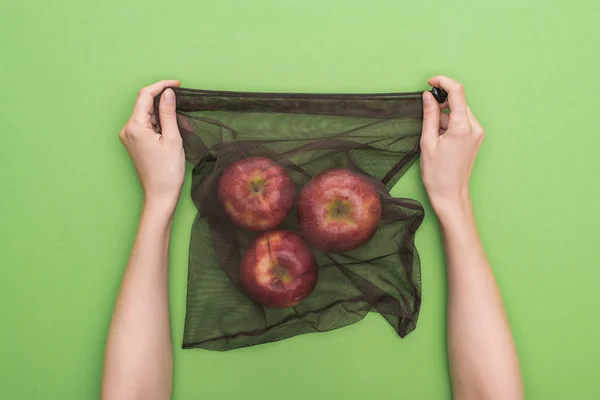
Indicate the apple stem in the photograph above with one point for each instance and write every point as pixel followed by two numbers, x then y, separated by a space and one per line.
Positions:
pixel 281 273
pixel 269 247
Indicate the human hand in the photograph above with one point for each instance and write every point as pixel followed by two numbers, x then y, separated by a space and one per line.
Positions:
pixel 449 145
pixel 158 159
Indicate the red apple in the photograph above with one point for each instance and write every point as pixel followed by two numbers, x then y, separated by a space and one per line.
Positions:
pixel 256 193
pixel 338 210
pixel 279 269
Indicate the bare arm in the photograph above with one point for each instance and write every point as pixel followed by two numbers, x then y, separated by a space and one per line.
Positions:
pixel 138 360
pixel 483 358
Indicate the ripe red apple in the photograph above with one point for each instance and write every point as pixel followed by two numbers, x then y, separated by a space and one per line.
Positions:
pixel 279 269
pixel 338 210
pixel 256 193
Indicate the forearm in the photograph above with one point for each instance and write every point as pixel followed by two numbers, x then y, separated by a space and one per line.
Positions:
pixel 483 359
pixel 138 362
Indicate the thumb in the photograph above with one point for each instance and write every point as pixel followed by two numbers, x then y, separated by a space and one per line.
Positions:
pixel 431 120
pixel 168 117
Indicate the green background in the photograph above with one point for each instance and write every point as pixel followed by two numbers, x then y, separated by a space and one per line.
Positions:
pixel 69 198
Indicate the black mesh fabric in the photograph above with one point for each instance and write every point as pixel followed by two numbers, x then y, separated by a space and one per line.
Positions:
pixel 374 134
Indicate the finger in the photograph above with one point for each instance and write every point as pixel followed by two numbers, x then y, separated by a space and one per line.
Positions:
pixel 145 100
pixel 168 116
pixel 431 120
pixel 476 127
pixel 444 119
pixel 184 124
pixel 457 100
pixel 472 119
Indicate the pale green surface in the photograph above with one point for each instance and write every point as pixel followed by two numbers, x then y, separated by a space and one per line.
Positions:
pixel 69 199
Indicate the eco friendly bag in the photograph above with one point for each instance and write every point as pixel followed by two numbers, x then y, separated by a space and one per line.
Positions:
pixel 376 135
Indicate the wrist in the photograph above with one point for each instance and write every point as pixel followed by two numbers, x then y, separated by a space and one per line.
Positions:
pixel 161 208
pixel 453 210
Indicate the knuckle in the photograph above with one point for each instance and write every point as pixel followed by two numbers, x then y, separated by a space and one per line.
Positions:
pixel 459 125
pixel 479 134
pixel 166 113
pixel 462 130
pixel 166 108
pixel 142 92
pixel 429 114
pixel 424 145
pixel 132 130
pixel 459 87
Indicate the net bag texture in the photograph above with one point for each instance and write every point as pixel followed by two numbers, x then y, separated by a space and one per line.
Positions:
pixel 376 135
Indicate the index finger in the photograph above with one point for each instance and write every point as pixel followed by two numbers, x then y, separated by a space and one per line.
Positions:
pixel 456 94
pixel 145 101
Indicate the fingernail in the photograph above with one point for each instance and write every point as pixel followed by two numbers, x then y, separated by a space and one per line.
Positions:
pixel 426 98
pixel 169 96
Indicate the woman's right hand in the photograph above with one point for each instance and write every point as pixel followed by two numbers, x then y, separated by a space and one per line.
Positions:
pixel 449 145
pixel 158 156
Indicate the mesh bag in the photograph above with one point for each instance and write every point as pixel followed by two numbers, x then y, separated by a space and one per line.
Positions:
pixel 376 135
